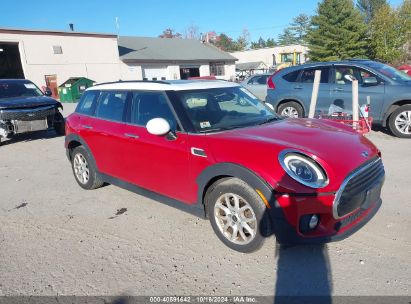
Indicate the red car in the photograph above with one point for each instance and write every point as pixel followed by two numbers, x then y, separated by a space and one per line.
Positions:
pixel 213 149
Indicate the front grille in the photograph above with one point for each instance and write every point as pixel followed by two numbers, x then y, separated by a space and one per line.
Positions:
pixel 39 113
pixel 353 193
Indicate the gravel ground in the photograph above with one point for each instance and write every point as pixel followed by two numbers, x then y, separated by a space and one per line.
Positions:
pixel 56 238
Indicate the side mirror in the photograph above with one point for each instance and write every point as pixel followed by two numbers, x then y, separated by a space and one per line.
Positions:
pixel 158 126
pixel 370 81
pixel 48 92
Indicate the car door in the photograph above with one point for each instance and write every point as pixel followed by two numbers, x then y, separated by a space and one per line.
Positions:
pixel 257 85
pixel 342 88
pixel 105 132
pixel 303 88
pixel 156 163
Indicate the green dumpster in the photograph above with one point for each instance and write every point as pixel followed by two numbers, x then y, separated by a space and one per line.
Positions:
pixel 71 90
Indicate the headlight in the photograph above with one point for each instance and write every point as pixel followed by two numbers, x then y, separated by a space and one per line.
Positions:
pixel 303 169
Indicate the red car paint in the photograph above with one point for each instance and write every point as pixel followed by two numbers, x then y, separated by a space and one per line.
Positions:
pixel 169 167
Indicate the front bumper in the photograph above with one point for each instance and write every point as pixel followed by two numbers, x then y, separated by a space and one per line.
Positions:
pixel 329 229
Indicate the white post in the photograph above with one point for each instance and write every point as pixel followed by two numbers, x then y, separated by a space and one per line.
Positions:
pixel 314 95
pixel 355 115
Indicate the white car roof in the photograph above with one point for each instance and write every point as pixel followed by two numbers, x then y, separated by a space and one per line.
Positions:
pixel 173 85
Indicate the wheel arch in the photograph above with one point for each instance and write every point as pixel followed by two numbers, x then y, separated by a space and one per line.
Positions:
pixel 73 141
pixel 394 106
pixel 215 173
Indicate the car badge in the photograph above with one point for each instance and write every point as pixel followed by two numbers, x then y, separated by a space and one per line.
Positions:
pixel 365 154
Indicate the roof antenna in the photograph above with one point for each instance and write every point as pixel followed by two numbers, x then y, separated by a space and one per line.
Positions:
pixel 71 25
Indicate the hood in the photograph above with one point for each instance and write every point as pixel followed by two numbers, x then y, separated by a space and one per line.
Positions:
pixel 335 146
pixel 27 102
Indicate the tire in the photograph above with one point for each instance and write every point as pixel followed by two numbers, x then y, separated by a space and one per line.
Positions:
pixel 59 124
pixel 290 109
pixel 399 122
pixel 225 192
pixel 82 165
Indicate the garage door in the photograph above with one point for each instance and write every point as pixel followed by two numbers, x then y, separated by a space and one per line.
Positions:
pixel 155 73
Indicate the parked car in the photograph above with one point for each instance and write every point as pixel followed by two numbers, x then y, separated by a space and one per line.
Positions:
pixel 191 144
pixel 257 84
pixel 289 91
pixel 24 108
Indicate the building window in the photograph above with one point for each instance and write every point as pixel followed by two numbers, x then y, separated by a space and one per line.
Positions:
pixel 289 57
pixel 217 69
pixel 57 49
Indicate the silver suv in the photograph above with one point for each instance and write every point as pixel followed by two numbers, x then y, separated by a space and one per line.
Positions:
pixel 289 91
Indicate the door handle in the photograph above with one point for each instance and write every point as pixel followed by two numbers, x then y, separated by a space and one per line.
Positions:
pixel 338 89
pixel 131 135
pixel 87 127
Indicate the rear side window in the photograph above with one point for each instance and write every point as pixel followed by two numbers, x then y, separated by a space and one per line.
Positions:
pixel 111 105
pixel 307 75
pixel 291 77
pixel 149 105
pixel 262 79
pixel 88 101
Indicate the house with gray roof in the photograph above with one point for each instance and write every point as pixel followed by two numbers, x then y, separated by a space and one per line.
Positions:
pixel 173 58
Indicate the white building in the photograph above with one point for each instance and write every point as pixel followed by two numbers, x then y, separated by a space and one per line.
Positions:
pixel 49 58
pixel 159 58
pixel 275 56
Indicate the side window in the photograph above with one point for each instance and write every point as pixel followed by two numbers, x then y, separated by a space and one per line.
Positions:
pixel 344 74
pixel 291 77
pixel 111 105
pixel 258 80
pixel 307 75
pixel 149 105
pixel 88 102
pixel 363 74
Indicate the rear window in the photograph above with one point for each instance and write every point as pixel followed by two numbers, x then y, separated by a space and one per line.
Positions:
pixel 87 104
pixel 111 105
pixel 291 77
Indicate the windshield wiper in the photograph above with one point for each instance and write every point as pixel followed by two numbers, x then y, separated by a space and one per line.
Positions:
pixel 223 128
pixel 270 119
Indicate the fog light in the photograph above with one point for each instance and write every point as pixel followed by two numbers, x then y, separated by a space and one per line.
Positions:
pixel 313 221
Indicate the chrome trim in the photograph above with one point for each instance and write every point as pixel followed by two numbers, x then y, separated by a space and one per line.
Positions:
pixel 281 157
pixel 28 110
pixel 195 151
pixel 344 184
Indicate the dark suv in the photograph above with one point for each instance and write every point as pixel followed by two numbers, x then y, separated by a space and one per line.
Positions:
pixel 24 108
pixel 290 89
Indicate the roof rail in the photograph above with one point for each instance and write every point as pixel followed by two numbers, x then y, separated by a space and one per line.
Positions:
pixel 133 81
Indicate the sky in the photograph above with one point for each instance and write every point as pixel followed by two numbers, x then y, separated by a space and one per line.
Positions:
pixel 266 18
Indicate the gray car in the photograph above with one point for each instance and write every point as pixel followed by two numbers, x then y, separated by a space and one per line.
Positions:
pixel 257 84
pixel 289 91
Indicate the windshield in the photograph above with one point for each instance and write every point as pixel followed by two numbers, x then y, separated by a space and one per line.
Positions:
pixel 388 71
pixel 212 110
pixel 18 89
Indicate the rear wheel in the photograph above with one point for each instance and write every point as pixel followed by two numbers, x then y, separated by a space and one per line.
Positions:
pixel 84 171
pixel 400 122
pixel 236 212
pixel 290 109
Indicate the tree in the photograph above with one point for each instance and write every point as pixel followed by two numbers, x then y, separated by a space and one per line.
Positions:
pixel 300 26
pixel 338 32
pixel 242 41
pixel 225 43
pixel 287 37
pixel 390 30
pixel 258 44
pixel 170 33
pixel 368 8
pixel 192 32
pixel 270 42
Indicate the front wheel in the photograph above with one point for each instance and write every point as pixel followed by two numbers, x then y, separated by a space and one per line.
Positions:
pixel 236 214
pixel 290 109
pixel 400 122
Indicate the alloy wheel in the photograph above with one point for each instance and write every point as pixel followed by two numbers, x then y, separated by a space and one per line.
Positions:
pixel 289 112
pixel 235 218
pixel 81 169
pixel 403 122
